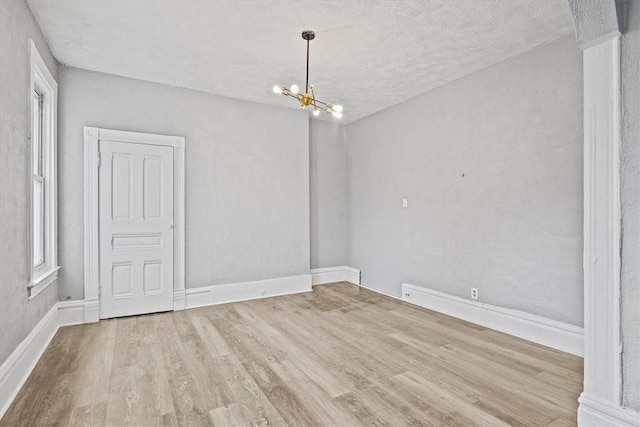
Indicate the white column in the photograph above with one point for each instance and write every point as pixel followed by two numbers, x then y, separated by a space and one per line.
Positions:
pixel 600 402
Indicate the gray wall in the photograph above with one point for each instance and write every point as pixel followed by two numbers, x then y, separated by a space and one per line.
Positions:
pixel 247 175
pixel 328 170
pixel 630 180
pixel 18 315
pixel 491 165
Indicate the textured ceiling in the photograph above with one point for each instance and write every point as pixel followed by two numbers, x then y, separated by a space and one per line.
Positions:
pixel 367 55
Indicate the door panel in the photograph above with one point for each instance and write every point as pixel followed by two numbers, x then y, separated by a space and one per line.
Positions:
pixel 136 228
pixel 121 187
pixel 121 280
pixel 152 277
pixel 152 188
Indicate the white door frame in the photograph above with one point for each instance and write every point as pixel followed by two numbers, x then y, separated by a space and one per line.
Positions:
pixel 92 136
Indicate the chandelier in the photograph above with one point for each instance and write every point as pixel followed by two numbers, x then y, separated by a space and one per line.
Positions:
pixel 308 98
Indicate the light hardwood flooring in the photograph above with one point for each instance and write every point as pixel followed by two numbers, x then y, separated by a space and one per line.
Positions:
pixel 339 356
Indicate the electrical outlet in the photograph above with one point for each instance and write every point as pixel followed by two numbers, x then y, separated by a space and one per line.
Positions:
pixel 407 295
pixel 474 293
pixel 405 203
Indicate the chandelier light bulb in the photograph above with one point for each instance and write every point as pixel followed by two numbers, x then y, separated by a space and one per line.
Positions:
pixel 316 111
pixel 337 108
pixel 295 89
pixel 337 114
pixel 277 89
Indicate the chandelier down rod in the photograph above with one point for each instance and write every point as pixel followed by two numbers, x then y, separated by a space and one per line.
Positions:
pixel 307 83
pixel 308 36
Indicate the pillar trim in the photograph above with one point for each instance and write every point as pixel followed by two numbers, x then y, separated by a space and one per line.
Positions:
pixel 600 402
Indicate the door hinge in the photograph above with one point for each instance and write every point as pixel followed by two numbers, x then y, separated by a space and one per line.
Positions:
pixel 99 291
pixel 99 159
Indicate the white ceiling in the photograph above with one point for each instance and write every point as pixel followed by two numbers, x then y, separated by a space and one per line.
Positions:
pixel 367 55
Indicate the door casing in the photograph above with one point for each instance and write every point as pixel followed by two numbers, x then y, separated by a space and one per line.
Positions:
pixel 92 136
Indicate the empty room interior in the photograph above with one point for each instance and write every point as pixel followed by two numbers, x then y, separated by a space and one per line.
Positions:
pixel 320 213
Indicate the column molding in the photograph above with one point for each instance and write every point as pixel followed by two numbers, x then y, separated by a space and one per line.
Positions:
pixel 600 402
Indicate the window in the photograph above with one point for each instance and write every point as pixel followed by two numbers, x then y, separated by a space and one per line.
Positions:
pixel 43 96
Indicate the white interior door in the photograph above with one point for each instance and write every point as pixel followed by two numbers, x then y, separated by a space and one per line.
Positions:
pixel 136 228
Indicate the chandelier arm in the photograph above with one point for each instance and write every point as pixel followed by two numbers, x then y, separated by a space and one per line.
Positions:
pixel 292 95
pixel 297 96
pixel 323 105
pixel 320 102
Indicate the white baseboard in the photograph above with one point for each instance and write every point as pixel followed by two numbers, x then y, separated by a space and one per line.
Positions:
pixel 242 291
pixel 380 292
pixel 594 412
pixel 18 366
pixel 554 334
pixel 71 312
pixel 321 276
pixel 91 310
pixel 179 296
pixel 353 275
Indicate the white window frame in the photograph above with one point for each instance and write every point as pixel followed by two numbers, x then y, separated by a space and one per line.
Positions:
pixel 42 82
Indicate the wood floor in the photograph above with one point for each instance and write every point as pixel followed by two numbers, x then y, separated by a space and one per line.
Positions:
pixel 339 356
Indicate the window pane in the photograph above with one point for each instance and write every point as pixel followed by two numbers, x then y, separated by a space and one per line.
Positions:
pixel 38 221
pixel 36 132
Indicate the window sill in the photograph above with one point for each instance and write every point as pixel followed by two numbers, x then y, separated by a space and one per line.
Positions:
pixel 41 282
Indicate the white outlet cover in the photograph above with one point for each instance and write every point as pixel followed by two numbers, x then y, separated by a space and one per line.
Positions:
pixel 405 203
